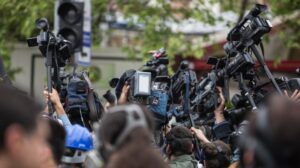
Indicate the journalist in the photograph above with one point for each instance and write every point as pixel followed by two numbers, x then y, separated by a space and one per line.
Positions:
pixel 23 139
pixel 216 154
pixel 124 138
pixel 272 139
pixel 79 140
pixel 179 148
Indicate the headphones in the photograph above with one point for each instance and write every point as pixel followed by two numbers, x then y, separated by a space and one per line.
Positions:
pixel 135 118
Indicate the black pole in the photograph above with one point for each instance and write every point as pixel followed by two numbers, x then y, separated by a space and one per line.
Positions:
pixel 246 91
pixel 265 67
pixel 49 78
pixel 187 110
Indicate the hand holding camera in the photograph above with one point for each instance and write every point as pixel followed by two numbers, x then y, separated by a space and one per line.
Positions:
pixel 55 100
pixel 219 116
pixel 124 95
pixel 200 135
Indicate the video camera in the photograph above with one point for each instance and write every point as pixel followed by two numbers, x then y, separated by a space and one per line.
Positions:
pixel 152 76
pixel 149 85
pixel 205 97
pixel 180 78
pixel 50 44
pixel 248 32
pixel 80 102
pixel 56 51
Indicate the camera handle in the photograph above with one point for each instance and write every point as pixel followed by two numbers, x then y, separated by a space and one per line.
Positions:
pixel 265 67
pixel 246 91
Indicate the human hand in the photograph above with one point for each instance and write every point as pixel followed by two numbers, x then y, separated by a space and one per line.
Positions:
pixel 220 108
pixel 295 96
pixel 219 116
pixel 54 97
pixel 124 94
pixel 199 134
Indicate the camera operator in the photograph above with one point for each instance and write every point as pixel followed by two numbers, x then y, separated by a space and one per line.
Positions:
pixel 125 138
pixel 216 154
pixel 78 141
pixel 23 141
pixel 272 139
pixel 179 148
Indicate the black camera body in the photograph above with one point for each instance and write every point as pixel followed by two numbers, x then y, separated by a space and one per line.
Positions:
pixel 80 101
pixel 205 98
pixel 50 44
pixel 248 32
pixel 260 93
pixel 241 63
pixel 179 81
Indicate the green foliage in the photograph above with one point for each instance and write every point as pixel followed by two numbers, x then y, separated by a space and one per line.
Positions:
pixel 157 33
pixel 17 24
pixel 289 11
pixel 18 18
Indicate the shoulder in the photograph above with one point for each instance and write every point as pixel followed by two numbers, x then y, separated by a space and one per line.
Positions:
pixel 185 164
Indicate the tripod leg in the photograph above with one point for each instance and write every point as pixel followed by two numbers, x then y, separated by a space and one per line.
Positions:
pixel 265 67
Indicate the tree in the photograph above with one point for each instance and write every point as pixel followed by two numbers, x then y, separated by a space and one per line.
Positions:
pixel 17 24
pixel 18 18
pixel 288 10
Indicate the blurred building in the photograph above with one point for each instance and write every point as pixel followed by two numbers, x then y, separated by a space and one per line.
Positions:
pixel 111 61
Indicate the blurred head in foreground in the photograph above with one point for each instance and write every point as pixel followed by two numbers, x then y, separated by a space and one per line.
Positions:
pixel 125 138
pixel 272 139
pixel 23 139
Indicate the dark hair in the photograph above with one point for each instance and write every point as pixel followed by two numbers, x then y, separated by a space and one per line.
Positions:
pixel 136 150
pixel 276 133
pixel 217 154
pixel 113 124
pixel 16 108
pixel 56 140
pixel 180 140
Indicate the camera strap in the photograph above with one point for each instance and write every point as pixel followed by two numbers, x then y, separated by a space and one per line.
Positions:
pixel 94 114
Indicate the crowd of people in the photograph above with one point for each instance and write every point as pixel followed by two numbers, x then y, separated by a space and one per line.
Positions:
pixel 124 137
